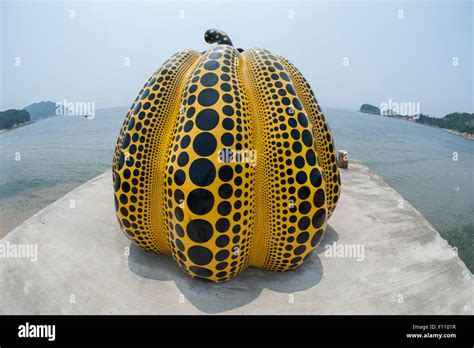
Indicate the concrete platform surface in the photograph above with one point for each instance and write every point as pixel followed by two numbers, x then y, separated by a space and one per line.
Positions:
pixel 379 256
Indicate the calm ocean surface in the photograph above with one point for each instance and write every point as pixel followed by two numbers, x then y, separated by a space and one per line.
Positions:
pixel 58 154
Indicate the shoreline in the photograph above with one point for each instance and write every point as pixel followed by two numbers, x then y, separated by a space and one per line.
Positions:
pixel 464 135
pixel 452 131
pixel 422 265
pixel 3 130
pixel 4 232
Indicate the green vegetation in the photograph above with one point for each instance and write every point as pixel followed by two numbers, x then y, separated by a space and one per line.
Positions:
pixel 461 122
pixel 370 109
pixel 31 113
pixel 41 110
pixel 13 117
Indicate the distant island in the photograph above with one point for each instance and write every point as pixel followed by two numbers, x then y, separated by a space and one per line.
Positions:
pixel 461 123
pixel 41 110
pixel 35 112
pixel 369 109
pixel 13 118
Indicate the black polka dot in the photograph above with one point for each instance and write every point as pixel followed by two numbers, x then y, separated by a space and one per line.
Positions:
pixel 318 218
pixel 304 207
pixel 211 65
pixel 209 79
pixel 304 192
pixel 226 87
pixel 222 255
pixel 295 134
pixel 178 196
pixel 227 139
pixel 204 144
pixel 297 104
pixel 228 124
pixel 190 112
pixel 290 89
pixel 200 231
pixel 299 162
pixel 125 187
pixel 126 223
pixel 179 214
pixel 226 173
pixel 301 177
pixel 200 201
pixel 207 119
pixel 284 76
pixel 188 126
pixel 318 199
pixel 179 245
pixel 179 230
pixel 222 225
pixel 117 183
pixel 131 123
pixel 307 138
pixel 201 271
pixel 121 160
pixel 295 260
pixel 311 157
pixel 225 191
pixel 202 172
pixel 228 110
pixel 227 98
pixel 221 274
pixel 185 141
pixel 303 223
pixel 126 141
pixel 302 119
pixel 183 159
pixel 315 177
pixel 302 237
pixel 123 199
pixel 215 55
pixel 299 250
pixel 224 208
pixel 137 108
pixel 191 100
pixel 208 97
pixel 221 265
pixel 200 255
pixel 222 241
pixel 317 238
pixel 179 177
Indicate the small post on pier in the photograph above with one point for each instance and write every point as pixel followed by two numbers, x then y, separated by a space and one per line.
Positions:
pixel 342 160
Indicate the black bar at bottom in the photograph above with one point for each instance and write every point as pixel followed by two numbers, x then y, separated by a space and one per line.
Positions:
pixel 292 330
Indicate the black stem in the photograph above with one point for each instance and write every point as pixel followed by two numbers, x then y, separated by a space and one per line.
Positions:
pixel 214 35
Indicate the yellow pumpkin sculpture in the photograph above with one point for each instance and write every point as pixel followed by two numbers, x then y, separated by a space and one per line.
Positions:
pixel 226 161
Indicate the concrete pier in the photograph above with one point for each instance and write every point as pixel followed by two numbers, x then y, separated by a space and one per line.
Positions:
pixel 379 256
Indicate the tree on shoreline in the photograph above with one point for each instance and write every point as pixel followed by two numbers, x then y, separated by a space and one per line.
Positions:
pixel 461 122
pixel 13 117
pixel 458 121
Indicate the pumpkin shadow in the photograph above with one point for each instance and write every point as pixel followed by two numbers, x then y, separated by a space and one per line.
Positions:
pixel 245 288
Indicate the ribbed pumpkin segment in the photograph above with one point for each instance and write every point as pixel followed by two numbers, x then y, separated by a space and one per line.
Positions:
pixel 291 200
pixel 226 161
pixel 139 160
pixel 210 170
pixel 324 143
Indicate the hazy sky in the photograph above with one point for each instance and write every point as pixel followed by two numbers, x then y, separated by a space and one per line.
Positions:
pixel 81 59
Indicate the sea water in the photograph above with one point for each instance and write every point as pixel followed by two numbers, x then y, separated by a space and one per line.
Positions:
pixel 430 168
